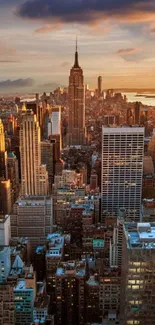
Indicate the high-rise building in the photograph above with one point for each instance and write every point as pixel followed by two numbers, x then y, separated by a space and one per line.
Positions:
pixel 117 241
pixel 5 196
pixel 3 153
pixel 32 217
pixel 70 285
pixel 137 113
pixel 24 297
pixel 99 86
pixel 47 158
pixel 92 300
pixel 13 175
pixel 122 171
pixel 5 232
pixel 54 126
pixel 5 263
pixel 34 177
pixel 110 286
pixel 138 274
pixel 2 138
pixel 76 93
pixel 53 258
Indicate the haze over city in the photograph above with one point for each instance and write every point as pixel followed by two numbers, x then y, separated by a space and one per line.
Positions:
pixel 115 39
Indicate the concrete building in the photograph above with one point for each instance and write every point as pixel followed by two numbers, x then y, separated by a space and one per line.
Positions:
pixel 93 180
pixel 148 210
pixel 70 292
pixel 5 263
pixel 116 243
pixel 68 177
pixel 32 217
pixel 5 231
pixel 3 153
pixel 41 308
pixel 138 265
pixel 76 94
pixel 5 196
pixel 92 300
pixel 122 171
pixel 2 138
pixel 109 293
pixel 47 158
pixel 99 86
pixel 54 256
pixel 34 177
pixel 24 297
pixel 56 120
pixel 13 175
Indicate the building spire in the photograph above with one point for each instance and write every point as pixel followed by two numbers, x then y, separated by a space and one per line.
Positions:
pixel 76 63
pixel 76 45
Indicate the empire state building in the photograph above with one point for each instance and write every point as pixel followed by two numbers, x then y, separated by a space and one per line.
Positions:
pixel 76 93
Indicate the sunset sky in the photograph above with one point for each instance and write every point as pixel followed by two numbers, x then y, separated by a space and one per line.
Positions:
pixel 116 40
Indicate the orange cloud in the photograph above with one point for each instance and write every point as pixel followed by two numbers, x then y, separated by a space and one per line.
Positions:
pixel 48 28
pixel 128 51
pixel 6 50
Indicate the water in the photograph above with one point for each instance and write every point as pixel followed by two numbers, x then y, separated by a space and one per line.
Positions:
pixel 145 101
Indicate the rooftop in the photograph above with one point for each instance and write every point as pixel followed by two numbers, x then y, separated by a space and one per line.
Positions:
pixel 3 218
pixel 92 281
pixel 123 129
pixel 40 249
pixel 72 268
pixel 33 200
pixel 56 244
pixel 21 286
pixel 140 236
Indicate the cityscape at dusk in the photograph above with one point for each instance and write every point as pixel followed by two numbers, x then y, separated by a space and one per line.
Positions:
pixel 77 162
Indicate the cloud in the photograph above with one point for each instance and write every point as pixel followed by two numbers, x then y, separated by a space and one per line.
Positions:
pixel 88 11
pixel 9 61
pixel 18 83
pixel 65 64
pixel 131 54
pixel 48 28
pixel 128 51
pixel 6 50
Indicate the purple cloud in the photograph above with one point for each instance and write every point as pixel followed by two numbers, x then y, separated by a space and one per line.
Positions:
pixel 87 11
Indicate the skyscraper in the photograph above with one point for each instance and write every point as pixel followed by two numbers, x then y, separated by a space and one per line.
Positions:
pixel 122 171
pixel 137 113
pixel 54 123
pixel 76 93
pixel 34 177
pixel 3 153
pixel 138 273
pixel 99 86
pixel 5 196
pixel 2 139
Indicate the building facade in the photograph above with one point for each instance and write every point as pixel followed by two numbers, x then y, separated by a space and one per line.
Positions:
pixel 34 177
pixel 138 274
pixel 122 171
pixel 32 217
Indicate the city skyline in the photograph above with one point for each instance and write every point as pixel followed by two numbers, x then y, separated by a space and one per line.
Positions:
pixel 116 41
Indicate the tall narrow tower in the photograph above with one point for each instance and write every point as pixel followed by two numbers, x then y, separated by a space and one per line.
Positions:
pixel 76 91
pixel 3 153
pixel 99 86
pixel 2 139
pixel 34 177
